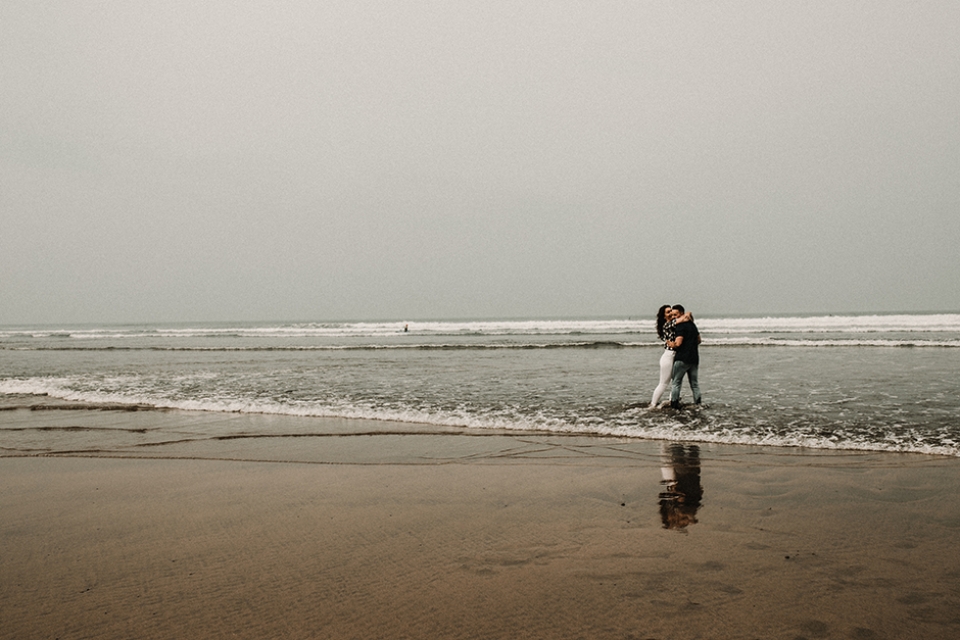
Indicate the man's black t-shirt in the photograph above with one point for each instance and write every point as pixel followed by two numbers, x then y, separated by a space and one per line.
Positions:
pixel 687 351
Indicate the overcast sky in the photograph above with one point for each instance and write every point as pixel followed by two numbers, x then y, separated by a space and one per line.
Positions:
pixel 166 160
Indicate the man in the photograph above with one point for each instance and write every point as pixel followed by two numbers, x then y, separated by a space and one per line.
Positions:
pixel 687 359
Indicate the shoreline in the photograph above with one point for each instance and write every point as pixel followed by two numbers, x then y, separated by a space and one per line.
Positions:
pixel 409 534
pixel 265 425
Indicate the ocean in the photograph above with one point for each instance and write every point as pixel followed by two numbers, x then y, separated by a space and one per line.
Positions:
pixel 846 382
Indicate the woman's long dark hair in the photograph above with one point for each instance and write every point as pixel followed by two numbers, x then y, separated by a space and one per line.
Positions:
pixel 661 319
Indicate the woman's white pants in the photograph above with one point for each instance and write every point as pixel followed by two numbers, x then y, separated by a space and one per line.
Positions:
pixel 666 372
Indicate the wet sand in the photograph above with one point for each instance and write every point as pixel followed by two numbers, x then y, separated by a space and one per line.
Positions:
pixel 397 533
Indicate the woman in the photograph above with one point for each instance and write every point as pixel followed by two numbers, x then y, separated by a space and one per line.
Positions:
pixel 666 321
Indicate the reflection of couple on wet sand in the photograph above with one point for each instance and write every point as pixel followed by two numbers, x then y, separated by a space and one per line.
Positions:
pixel 682 492
pixel 681 354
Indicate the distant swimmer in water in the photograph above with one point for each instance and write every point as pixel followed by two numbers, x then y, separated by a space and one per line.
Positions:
pixel 406 328
pixel 667 320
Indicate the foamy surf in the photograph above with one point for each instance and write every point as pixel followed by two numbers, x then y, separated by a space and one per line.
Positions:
pixel 879 383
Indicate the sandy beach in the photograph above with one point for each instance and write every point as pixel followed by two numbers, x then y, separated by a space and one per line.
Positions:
pixel 379 530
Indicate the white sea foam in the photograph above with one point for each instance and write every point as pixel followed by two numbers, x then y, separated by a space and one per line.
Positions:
pixel 834 324
pixel 634 423
pixel 761 341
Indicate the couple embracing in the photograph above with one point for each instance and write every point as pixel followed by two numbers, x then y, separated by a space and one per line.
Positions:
pixel 681 355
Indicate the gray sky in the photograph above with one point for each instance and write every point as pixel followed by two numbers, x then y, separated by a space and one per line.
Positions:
pixel 177 160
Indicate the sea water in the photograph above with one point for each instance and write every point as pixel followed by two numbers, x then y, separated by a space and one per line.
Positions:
pixel 867 382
